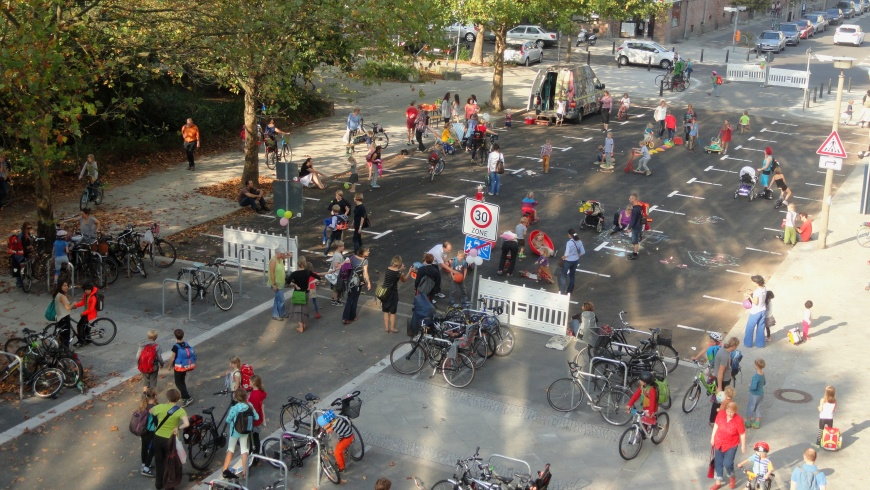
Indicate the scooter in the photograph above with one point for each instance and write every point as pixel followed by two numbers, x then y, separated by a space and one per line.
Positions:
pixel 583 37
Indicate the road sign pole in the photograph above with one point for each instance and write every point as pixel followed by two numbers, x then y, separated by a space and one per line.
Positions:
pixel 829 173
pixel 474 288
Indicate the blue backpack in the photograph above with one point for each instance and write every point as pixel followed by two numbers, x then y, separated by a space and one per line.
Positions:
pixel 185 357
pixel 736 357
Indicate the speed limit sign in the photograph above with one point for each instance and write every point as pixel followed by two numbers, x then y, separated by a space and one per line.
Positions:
pixel 480 219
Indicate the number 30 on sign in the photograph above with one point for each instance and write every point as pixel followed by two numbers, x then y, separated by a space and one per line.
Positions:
pixel 480 219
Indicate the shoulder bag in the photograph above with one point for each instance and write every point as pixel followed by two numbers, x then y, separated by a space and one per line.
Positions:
pixel 499 165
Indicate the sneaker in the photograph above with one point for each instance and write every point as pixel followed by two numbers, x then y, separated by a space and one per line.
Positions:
pixel 756 425
pixel 229 475
pixel 441 295
pixel 146 471
pixel 747 424
pixel 317 316
pixel 187 402
pixel 648 173
pixel 521 255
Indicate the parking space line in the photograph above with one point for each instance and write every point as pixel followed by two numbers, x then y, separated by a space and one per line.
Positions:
pixel 452 198
pixel 657 208
pixel 694 180
pixel 593 273
pixel 714 298
pixel 711 167
pixel 472 181
pixel 762 251
pixel 676 193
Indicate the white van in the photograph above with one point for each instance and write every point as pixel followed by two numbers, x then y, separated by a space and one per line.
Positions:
pixel 575 83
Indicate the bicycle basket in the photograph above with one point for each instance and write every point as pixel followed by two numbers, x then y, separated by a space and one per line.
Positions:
pixel 350 407
pixel 665 337
pixel 193 434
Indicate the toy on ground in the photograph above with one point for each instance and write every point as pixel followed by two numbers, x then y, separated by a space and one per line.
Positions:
pixel 541 244
pixel 715 146
pixel 593 215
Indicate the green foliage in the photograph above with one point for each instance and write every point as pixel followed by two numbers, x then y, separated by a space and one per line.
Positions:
pixel 375 70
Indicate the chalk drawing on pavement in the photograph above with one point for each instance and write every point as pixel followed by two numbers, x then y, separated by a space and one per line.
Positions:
pixel 705 220
pixel 710 259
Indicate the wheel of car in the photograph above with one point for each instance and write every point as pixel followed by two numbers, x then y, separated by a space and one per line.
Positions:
pixel 622 60
pixel 665 64
pixel 469 37
pixel 539 43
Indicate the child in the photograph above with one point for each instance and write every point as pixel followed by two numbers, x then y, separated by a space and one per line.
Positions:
pixel 756 394
pixel 337 224
pixel 61 252
pixel 458 296
pixel 508 120
pixel 808 318
pixel 528 207
pixel 769 320
pixel 479 195
pixel 148 401
pixel 624 105
pixel 827 405
pixel 743 122
pixel 183 361
pixel 649 135
pixel 334 266
pixel 312 293
pixel 89 302
pixel 520 230
pixel 354 176
pixel 789 235
pixel 150 379
pixel 240 396
pixel 546 152
pixel 761 466
pixel 343 432
pixel 537 105
pixel 234 376
pixel 725 136
pixel 693 134
pixel 650 401
pixel 714 343
pixel 256 398
pixel 642 167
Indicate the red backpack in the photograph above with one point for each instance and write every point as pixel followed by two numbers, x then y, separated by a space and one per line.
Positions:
pixel 647 221
pixel 246 371
pixel 148 359
pixel 14 244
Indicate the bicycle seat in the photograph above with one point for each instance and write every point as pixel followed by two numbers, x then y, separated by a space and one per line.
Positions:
pixel 311 397
pixel 208 411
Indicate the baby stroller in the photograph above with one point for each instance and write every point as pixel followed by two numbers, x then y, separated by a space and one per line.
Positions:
pixel 593 215
pixel 715 146
pixel 747 183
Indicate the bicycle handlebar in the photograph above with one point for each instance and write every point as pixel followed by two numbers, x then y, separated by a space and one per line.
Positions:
pixel 337 401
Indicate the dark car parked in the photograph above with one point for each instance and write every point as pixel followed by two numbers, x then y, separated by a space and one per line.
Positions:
pixel 835 15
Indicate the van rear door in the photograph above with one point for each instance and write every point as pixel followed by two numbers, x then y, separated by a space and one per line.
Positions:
pixel 535 89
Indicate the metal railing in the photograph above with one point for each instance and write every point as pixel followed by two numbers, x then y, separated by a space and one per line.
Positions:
pixel 163 296
pixel 276 462
pixel 17 362
pixel 230 262
pixel 621 364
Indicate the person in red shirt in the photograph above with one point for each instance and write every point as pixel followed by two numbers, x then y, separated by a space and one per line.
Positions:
pixel 805 231
pixel 89 301
pixel 256 399
pixel 650 402
pixel 671 124
pixel 729 432
pixel 410 118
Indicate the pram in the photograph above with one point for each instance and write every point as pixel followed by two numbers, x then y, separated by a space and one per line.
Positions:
pixel 747 183
pixel 593 215
pixel 715 146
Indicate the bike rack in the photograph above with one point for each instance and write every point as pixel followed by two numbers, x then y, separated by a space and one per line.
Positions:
pixel 20 373
pixel 163 296
pixel 508 458
pixel 304 436
pixel 612 361
pixel 312 424
pixel 219 484
pixel 235 262
pixel 274 462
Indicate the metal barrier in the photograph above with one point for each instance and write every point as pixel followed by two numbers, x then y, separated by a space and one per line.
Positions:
pixel 275 462
pixel 265 260
pixel 163 296
pixel 20 372
pixel 510 472
pixel 225 262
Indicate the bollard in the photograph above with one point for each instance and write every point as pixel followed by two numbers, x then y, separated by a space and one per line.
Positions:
pixel 821 90
pixel 702 56
pixel 727 54
pixel 814 96
pixel 829 86
pixel 613 48
pixel 747 55
pixel 648 63
pixel 850 85
pixel 662 88
pixel 588 58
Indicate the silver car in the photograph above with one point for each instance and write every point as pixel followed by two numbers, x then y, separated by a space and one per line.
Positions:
pixel 818 21
pixel 770 41
pixel 792 33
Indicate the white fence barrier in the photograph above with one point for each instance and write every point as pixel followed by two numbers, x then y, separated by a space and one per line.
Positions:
pixel 744 73
pixel 250 248
pixel 533 309
pixel 777 76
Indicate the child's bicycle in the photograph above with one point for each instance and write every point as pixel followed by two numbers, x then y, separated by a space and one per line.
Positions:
pixel 631 440
pixel 756 482
pixel 699 384
pixel 436 161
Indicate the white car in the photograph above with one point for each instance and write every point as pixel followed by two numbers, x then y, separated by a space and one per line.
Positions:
pixel 465 31
pixel 641 52
pixel 849 34
pixel 532 33
pixel 523 53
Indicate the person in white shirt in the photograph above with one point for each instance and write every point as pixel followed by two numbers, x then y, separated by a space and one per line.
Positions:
pixel 441 254
pixel 659 114
pixel 495 156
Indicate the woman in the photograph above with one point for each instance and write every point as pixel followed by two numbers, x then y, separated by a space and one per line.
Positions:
pixel 62 309
pixel 784 191
pixel 509 248
pixel 757 313
pixel 470 108
pixel 621 220
pixel 573 251
pixel 334 265
pixel 585 327
pixel 725 136
pixel 456 107
pixel 390 304
pixel 728 433
pixel 299 282
pixel 277 277
pixel 309 176
pixel 446 109
pixel 359 277
pixel 766 169
pixel 374 162
pixel 495 156
pixel 171 420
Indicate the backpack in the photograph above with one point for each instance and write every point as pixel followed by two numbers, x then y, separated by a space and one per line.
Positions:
pixel 51 312
pixel 100 301
pixel 644 206
pixel 244 421
pixel 711 353
pixel 340 221
pixel 774 164
pixel 736 357
pixel 663 391
pixel 185 357
pixel 148 359
pixel 718 79
pixel 345 271
pixel 246 371
pixel 14 243
pixel 139 422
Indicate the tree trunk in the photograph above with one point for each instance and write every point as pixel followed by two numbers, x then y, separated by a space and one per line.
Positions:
pixel 568 50
pixel 477 53
pixel 495 97
pixel 252 149
pixel 42 187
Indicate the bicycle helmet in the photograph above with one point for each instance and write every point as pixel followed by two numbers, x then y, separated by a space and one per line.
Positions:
pixel 716 336
pixel 647 377
pixel 761 446
pixel 325 418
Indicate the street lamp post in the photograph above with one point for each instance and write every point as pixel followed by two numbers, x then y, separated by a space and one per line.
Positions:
pixel 736 11
pixel 843 64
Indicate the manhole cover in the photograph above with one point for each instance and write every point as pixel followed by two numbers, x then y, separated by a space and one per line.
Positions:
pixel 793 396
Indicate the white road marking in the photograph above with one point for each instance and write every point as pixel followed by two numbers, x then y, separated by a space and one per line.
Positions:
pixel 784 124
pixel 806 198
pixel 693 180
pixel 814 185
pixel 311 198
pixel 578 138
pixel 593 273
pixel 452 198
pixel 762 251
pixel 527 158
pixel 415 215
pixel 560 148
pixel 753 138
pixel 676 193
pixel 608 247
pixel 728 157
pixel 824 171
pixel 514 172
pixel 765 130
pixel 472 181
pixel 377 234
pixel 714 298
pixel 657 208
pixel 719 170
pixel 741 147
pixel 738 272
pixel 692 328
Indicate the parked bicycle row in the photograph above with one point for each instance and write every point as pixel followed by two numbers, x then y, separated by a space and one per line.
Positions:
pixel 498 472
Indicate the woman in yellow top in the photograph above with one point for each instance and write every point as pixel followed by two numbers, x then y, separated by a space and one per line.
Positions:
pixel 170 419
pixel 277 276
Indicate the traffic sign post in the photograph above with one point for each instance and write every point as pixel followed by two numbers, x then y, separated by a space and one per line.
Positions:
pixel 832 147
pixel 832 163
pixel 483 247
pixel 480 219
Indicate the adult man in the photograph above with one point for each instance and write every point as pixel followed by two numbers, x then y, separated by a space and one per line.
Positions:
pixel 722 372
pixel 190 136
pixel 253 197
pixel 441 254
pixel 343 204
pixel 635 224
pixel 354 123
pixel 421 125
pixel 808 476
pixel 270 133
pixel 411 113
pixel 89 226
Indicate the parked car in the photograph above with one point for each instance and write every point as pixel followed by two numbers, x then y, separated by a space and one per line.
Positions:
pixel 863 6
pixel 575 83
pixel 537 34
pixel 849 34
pixel 835 16
pixel 465 31
pixel 848 8
pixel 806 27
pixel 523 53
pixel 640 52
pixel 792 33
pixel 770 41
pixel 819 22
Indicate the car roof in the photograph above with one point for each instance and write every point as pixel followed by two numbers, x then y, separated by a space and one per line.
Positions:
pixel 853 26
pixel 771 30
pixel 789 24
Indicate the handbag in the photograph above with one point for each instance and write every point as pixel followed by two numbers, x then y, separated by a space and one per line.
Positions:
pixel 331 277
pixel 499 166
pixel 51 312
pixel 179 448
pixel 172 468
pixel 711 470
pixel 381 292
pixel 299 297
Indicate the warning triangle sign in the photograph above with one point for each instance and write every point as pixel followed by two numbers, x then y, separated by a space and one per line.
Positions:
pixel 833 146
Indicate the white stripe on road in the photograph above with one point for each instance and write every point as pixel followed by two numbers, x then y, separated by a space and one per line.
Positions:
pixel 714 298
pixel 762 251
pixel 593 273
pixel 738 272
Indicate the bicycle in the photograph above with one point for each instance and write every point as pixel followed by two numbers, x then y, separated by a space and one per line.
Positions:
pixel 45 382
pixel 482 476
pixel 701 384
pixel 436 162
pixel 862 236
pixel 160 252
pixel 92 193
pixel 278 153
pixel 498 339
pixel 442 354
pixel 660 340
pixel 199 284
pixel 37 349
pixel 631 441
pixel 298 413
pixel 379 136
pixel 205 438
pixel 88 264
pixel 35 266
pixel 566 394
pixel 756 482
pixel 482 147
pixel 99 332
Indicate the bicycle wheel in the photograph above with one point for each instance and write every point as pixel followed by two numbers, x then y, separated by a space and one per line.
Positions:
pixel 103 331
pixel 660 431
pixel 223 295
pixel 457 371
pixel 613 375
pixel 162 253
pixel 613 403
pixel 47 382
pixel 84 200
pixel 357 448
pixel 667 403
pixel 439 167
pixel 382 139
pixel 110 270
pixel 690 399
pixel 27 276
pixel 137 264
pixel 863 236
pixel 490 343
pixel 13 344
pixel 271 159
pixel 292 415
pixel 408 357
pixel 505 341
pixel 680 86
pixel 477 352
pixel 659 79
pixel 669 356
pixel 202 454
pixel 564 394
pixel 185 276
pixel 658 368
pixel 98 198
pixel 329 469
pixel 446 485
pixel 72 370
pixel 271 448
pixel 630 443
